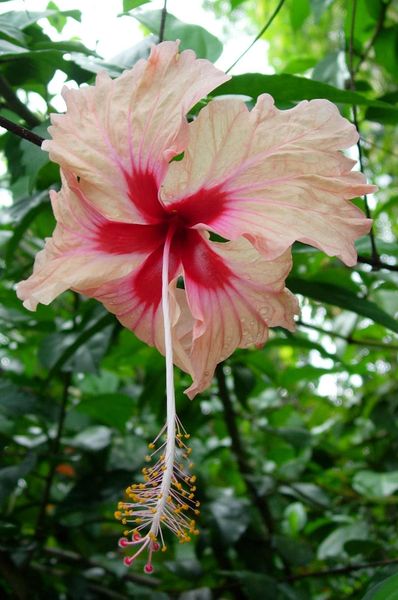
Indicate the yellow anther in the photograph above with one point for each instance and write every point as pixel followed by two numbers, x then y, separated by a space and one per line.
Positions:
pixel 185 507
pixel 124 521
pixel 197 503
pixel 164 548
pixel 193 479
pixel 152 537
pixel 118 515
pixel 151 446
pixel 148 458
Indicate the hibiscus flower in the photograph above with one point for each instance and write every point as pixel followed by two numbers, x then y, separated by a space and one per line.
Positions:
pixel 132 224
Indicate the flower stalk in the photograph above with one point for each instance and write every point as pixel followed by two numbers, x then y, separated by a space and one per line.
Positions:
pixel 166 497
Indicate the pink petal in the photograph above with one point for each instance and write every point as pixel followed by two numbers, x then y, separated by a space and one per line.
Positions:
pixel 119 135
pixel 234 296
pixel 136 302
pixel 85 250
pixel 272 176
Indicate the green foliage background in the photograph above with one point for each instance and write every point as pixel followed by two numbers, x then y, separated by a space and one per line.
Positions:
pixel 296 444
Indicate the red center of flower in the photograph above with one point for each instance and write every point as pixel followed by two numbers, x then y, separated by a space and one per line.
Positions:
pixel 190 253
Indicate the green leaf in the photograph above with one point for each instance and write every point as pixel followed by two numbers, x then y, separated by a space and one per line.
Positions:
pixel 296 552
pixel 9 476
pixel 386 590
pixel 111 409
pixel 58 20
pixel 194 37
pixel 131 4
pixel 232 518
pixel 299 12
pixel 92 439
pixel 333 545
pixel 15 401
pixel 342 297
pixel 8 50
pixel 375 485
pixel 10 31
pixel 257 586
pixel 299 64
pixel 290 89
pixel 385 46
pixel 56 350
pixel 23 19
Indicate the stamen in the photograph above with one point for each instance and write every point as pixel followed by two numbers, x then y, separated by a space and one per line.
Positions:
pixel 166 497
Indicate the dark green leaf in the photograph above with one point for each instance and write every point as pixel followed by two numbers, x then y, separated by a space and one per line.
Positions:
pixel 232 518
pixel 344 298
pixel 111 409
pixel 194 37
pixel 290 89
pixel 131 4
pixel 9 476
pixel 386 590
pixel 375 485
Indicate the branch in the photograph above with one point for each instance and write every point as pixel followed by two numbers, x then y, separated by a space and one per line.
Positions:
pixel 375 255
pixel 73 557
pixel 163 21
pixel 21 132
pixel 15 578
pixel 377 263
pixel 41 517
pixel 258 36
pixel 342 570
pixel 349 339
pixel 377 31
pixel 15 104
pixel 237 448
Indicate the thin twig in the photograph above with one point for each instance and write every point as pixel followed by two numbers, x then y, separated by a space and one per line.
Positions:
pixel 349 339
pixel 15 104
pixel 21 132
pixel 342 570
pixel 163 21
pixel 375 255
pixel 381 148
pixel 377 263
pixel 258 36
